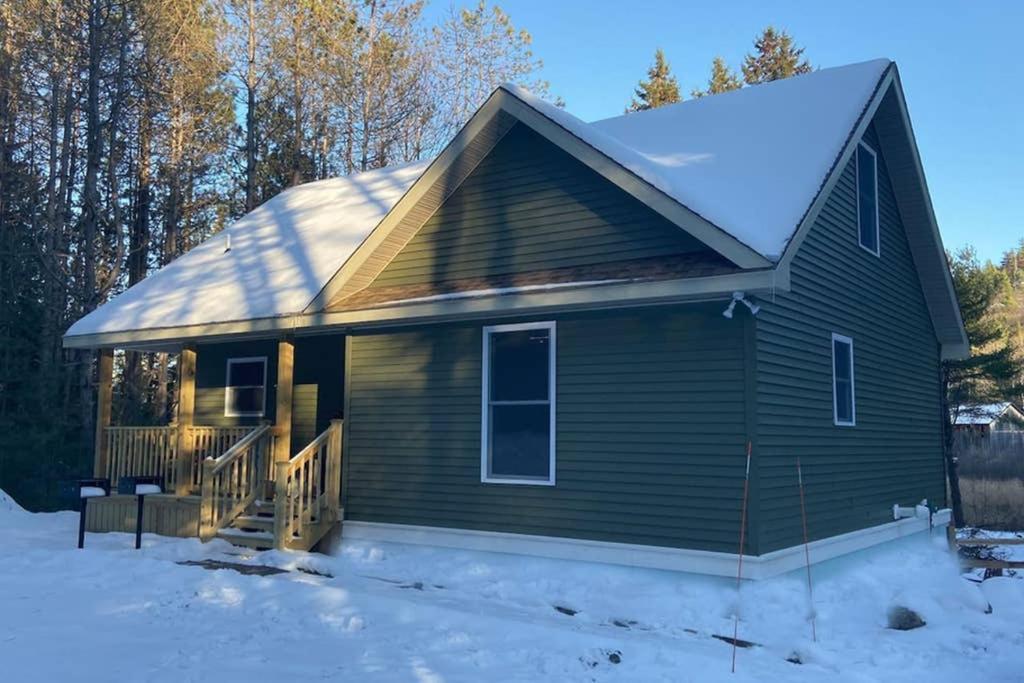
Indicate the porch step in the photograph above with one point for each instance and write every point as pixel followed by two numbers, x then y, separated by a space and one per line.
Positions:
pixel 260 540
pixel 258 522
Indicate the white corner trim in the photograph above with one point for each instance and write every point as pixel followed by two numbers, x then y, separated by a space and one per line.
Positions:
pixel 648 556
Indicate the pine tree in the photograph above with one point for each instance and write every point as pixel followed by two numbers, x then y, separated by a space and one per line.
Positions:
pixel 659 89
pixel 722 79
pixel 775 57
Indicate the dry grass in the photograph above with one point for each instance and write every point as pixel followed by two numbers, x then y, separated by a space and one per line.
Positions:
pixel 991 472
pixel 993 503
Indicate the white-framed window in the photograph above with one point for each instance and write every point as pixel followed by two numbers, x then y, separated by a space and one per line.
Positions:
pixel 517 443
pixel 867 199
pixel 245 387
pixel 844 396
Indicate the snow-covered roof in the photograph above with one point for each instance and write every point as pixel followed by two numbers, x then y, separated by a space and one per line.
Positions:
pixel 281 256
pixel 981 414
pixel 750 161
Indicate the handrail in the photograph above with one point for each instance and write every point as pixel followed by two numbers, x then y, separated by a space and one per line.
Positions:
pixel 208 441
pixel 232 481
pixel 307 491
pixel 221 461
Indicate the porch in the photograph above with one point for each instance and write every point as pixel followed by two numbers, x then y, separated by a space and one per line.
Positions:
pixel 244 483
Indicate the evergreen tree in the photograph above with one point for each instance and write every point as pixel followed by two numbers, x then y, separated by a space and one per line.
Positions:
pixel 659 89
pixel 775 56
pixel 991 373
pixel 722 79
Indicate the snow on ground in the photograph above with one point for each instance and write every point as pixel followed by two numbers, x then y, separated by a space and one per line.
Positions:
pixel 405 613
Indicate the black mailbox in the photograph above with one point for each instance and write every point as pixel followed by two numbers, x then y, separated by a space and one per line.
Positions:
pixel 133 486
pixel 89 488
pixel 140 487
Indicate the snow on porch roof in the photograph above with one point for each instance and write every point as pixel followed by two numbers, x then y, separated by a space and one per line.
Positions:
pixel 281 255
pixel 750 161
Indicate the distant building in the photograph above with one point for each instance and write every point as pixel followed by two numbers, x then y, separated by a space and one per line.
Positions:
pixel 984 419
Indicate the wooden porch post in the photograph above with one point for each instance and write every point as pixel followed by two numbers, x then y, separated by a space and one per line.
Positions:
pixel 186 417
pixel 283 411
pixel 104 398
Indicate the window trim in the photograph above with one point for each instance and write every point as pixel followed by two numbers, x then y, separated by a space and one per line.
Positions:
pixel 852 422
pixel 485 403
pixel 877 251
pixel 227 386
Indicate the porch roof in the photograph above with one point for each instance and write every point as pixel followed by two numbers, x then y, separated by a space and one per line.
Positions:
pixel 271 263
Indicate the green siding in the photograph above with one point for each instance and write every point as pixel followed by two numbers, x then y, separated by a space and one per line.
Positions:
pixel 650 431
pixel 211 376
pixel 304 422
pixel 530 206
pixel 853 475
pixel 318 383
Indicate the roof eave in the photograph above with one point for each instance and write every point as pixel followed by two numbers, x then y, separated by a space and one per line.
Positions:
pixel 594 297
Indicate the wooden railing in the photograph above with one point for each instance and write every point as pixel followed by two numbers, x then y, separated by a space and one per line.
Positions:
pixel 210 442
pixel 153 451
pixel 232 481
pixel 307 491
pixel 142 451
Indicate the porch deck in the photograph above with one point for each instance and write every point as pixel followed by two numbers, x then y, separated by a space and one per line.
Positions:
pixel 223 482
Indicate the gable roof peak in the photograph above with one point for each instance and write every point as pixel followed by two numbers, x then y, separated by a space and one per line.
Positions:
pixel 749 162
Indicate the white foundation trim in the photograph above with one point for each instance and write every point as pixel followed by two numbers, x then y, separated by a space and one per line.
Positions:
pixel 653 557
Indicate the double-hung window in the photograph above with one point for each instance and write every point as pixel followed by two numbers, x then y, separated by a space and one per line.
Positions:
pixel 518 406
pixel 245 390
pixel 867 198
pixel 844 399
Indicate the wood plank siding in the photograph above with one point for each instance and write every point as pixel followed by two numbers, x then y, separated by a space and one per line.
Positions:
pixel 853 475
pixel 166 515
pixel 530 206
pixel 650 430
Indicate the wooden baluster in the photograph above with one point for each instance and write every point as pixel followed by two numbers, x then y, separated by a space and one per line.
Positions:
pixel 336 460
pixel 206 528
pixel 281 527
pixel 245 473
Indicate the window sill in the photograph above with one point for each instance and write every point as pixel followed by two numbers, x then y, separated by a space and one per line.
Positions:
pixel 518 482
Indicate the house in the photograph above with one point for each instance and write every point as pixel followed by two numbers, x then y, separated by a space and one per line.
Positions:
pixel 982 420
pixel 564 338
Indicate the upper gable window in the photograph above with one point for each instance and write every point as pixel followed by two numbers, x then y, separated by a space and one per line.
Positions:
pixel 867 198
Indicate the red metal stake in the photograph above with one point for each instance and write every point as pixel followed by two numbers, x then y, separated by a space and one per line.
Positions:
pixel 807 550
pixel 739 566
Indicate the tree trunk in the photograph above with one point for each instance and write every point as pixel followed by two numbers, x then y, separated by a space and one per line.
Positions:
pixel 250 111
pixel 138 250
pixel 90 210
pixel 952 475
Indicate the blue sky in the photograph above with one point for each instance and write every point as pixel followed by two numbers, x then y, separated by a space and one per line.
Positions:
pixel 959 61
